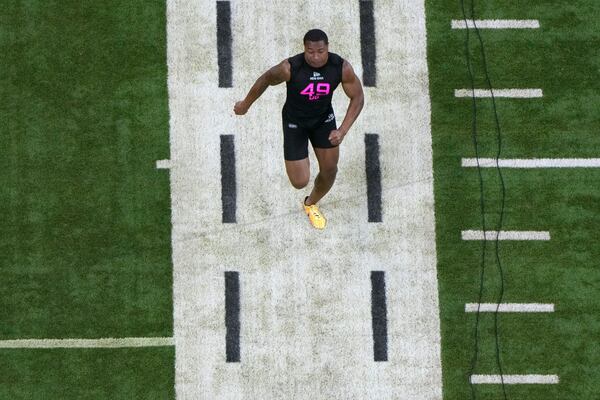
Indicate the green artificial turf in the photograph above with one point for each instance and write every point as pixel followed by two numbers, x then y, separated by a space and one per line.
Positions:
pixel 86 243
pixel 85 240
pixel 559 59
pixel 87 374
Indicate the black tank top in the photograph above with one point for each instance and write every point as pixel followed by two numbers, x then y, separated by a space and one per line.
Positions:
pixel 309 90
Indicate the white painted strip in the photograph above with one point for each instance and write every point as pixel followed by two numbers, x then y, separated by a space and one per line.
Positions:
pixel 163 164
pixel 510 307
pixel 496 24
pixel 510 93
pixel 506 235
pixel 515 379
pixel 86 343
pixel 533 162
pixel 315 335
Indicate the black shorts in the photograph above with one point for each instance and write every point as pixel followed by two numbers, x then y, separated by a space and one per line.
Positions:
pixel 296 135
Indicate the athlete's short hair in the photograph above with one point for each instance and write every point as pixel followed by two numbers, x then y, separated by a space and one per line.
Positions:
pixel 315 35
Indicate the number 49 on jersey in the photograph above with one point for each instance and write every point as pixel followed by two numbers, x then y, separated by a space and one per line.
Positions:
pixel 321 89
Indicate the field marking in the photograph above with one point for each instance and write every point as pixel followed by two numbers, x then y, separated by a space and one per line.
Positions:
pixel 515 379
pixel 510 307
pixel 368 44
pixel 373 172
pixel 163 164
pixel 310 323
pixel 87 343
pixel 533 162
pixel 379 316
pixel 505 235
pixel 496 24
pixel 232 316
pixel 228 180
pixel 510 93
pixel 224 44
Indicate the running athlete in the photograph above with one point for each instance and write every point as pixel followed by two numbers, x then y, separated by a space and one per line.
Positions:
pixel 311 77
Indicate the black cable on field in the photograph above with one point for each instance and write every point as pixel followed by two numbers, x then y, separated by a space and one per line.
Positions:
pixel 482 204
pixel 482 200
pixel 502 199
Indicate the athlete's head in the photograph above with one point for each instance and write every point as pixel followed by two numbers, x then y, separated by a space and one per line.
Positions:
pixel 316 48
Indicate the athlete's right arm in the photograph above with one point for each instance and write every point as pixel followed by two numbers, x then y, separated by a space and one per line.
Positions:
pixel 274 76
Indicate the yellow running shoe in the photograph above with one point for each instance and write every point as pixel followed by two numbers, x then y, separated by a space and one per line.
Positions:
pixel 317 219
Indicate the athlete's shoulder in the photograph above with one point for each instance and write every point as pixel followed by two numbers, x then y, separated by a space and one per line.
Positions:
pixel 335 59
pixel 296 61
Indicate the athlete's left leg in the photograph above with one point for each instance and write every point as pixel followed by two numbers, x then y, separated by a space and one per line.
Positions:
pixel 328 160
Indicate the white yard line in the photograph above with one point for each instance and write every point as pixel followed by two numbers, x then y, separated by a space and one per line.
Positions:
pixel 505 235
pixel 510 307
pixel 496 24
pixel 509 93
pixel 515 379
pixel 163 164
pixel 305 295
pixel 86 343
pixel 533 163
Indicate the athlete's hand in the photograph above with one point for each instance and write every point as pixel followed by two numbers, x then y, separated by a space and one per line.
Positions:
pixel 240 108
pixel 336 137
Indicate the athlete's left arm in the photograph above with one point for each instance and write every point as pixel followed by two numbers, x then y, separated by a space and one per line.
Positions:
pixel 353 89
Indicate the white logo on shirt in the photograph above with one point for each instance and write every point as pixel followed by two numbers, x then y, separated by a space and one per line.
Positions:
pixel 316 77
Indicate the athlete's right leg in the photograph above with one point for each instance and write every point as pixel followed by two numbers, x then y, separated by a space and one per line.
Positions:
pixel 299 172
pixel 295 151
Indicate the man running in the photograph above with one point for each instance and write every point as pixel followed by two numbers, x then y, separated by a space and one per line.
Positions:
pixel 311 77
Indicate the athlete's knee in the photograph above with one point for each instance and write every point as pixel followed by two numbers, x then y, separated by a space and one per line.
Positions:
pixel 329 172
pixel 299 182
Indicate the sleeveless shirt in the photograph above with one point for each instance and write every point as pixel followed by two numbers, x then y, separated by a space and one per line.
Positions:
pixel 310 90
